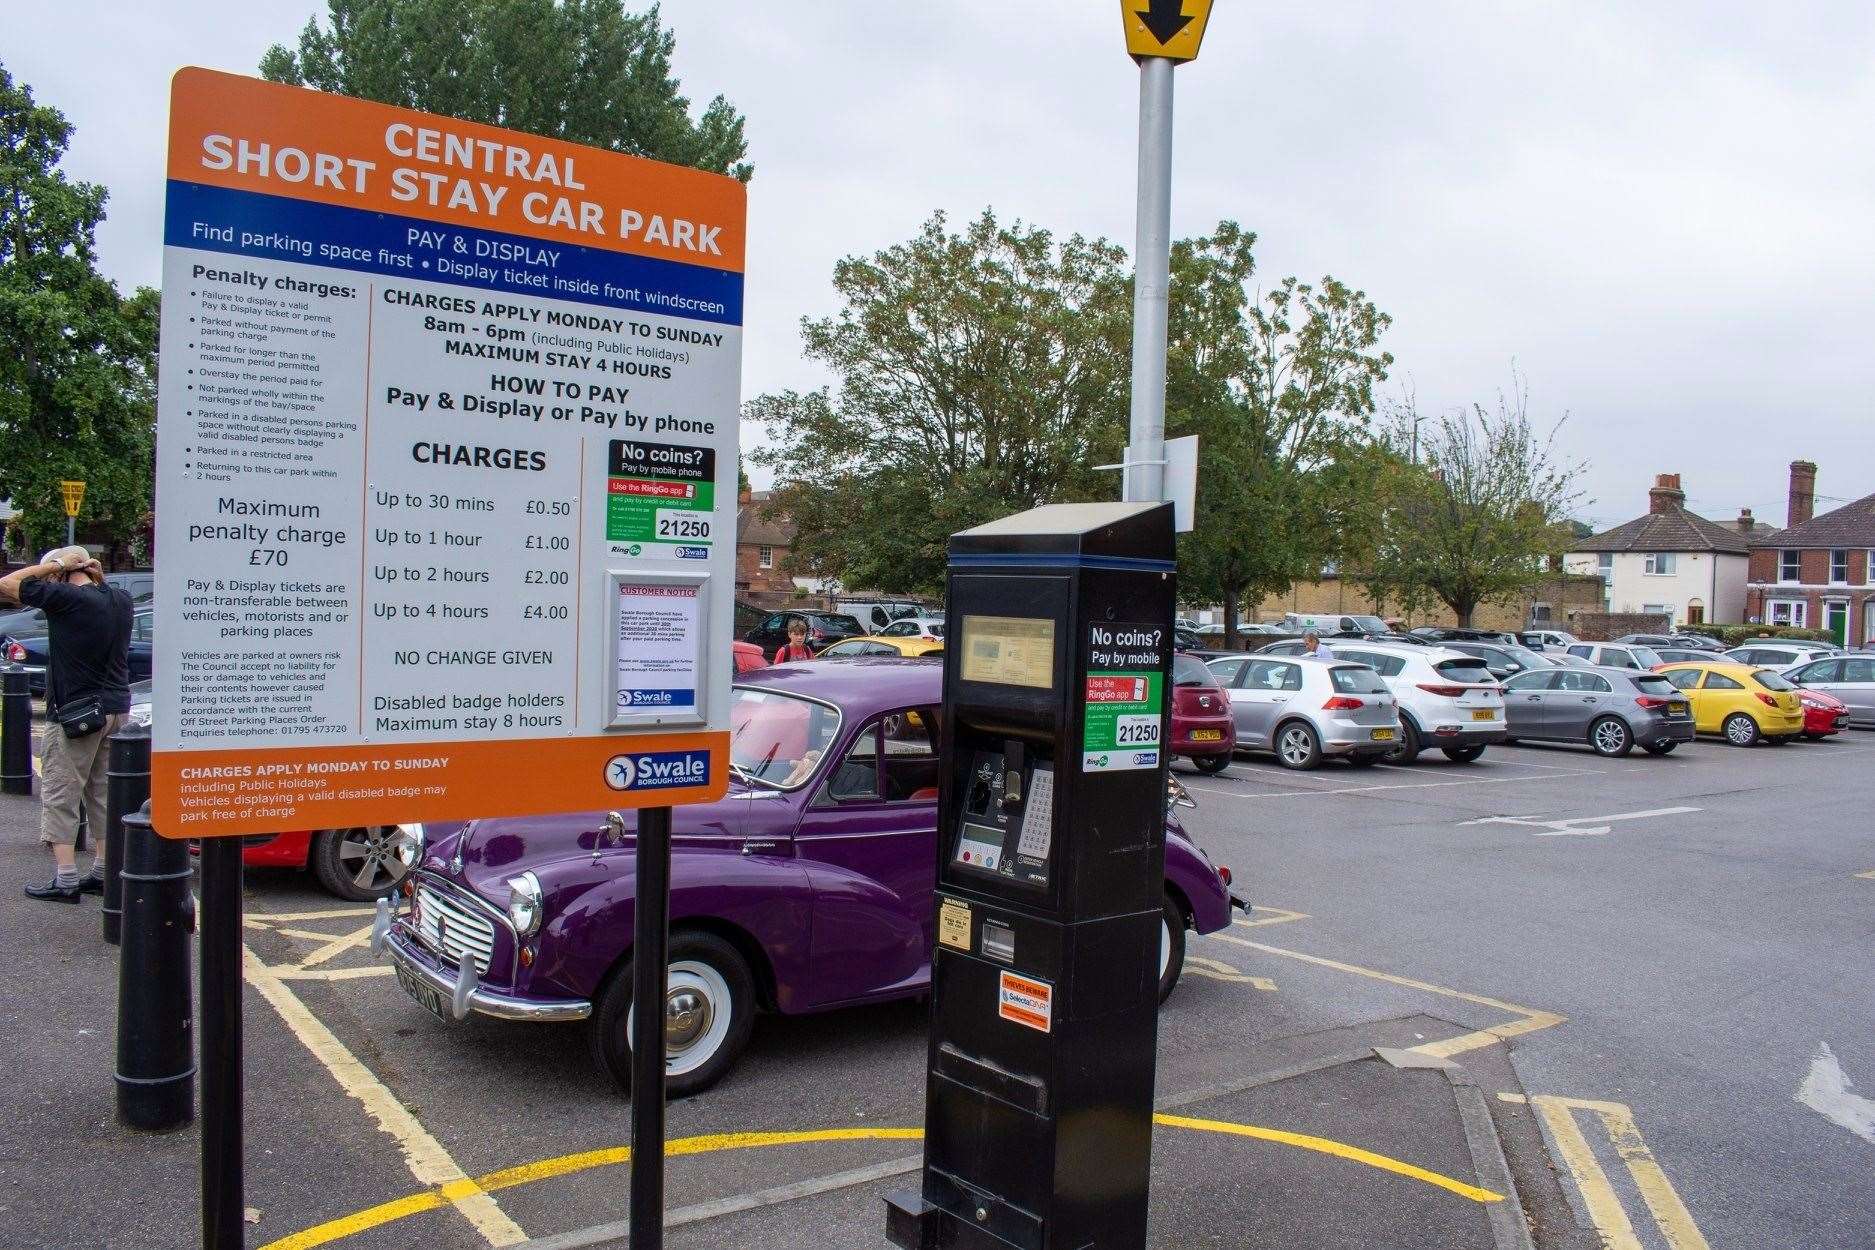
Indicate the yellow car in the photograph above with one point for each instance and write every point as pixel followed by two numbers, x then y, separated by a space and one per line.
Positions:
pixel 1744 703
pixel 876 644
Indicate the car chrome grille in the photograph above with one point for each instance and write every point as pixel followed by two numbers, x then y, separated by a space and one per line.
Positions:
pixel 450 927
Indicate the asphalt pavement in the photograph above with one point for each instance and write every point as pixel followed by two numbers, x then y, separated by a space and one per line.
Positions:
pixel 1543 996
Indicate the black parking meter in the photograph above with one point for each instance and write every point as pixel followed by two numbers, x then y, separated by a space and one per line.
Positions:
pixel 1051 862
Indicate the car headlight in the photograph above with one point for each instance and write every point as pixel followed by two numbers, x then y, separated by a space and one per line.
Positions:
pixel 411 852
pixel 524 904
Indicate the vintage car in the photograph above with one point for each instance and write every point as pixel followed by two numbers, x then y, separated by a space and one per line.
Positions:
pixel 809 887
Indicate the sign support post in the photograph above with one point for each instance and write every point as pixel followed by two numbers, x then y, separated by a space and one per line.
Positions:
pixel 223 1186
pixel 650 944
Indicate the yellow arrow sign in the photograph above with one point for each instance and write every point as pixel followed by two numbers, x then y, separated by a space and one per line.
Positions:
pixel 74 493
pixel 1168 28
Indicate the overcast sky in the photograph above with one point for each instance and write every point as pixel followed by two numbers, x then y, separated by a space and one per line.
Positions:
pixel 1663 213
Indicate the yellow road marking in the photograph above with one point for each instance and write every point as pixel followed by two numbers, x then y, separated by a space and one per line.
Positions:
pixel 1867 876
pixel 566 1165
pixel 337 946
pixel 1218 970
pixel 1650 1179
pixel 1530 1019
pixel 332 974
pixel 426 1158
pixel 269 917
pixel 1340 1150
pixel 1270 915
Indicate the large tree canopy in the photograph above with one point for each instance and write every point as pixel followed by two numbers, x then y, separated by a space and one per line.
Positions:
pixel 982 372
pixel 581 70
pixel 77 378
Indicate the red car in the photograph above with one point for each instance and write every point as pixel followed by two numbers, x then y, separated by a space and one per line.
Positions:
pixel 748 657
pixel 1823 714
pixel 355 864
pixel 1202 729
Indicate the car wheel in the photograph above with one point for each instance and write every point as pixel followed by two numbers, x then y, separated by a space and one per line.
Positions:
pixel 1210 765
pixel 709 1011
pixel 1410 744
pixel 1611 736
pixel 1297 746
pixel 1462 755
pixel 1740 730
pixel 1661 748
pixel 361 863
pixel 1171 945
pixel 1365 761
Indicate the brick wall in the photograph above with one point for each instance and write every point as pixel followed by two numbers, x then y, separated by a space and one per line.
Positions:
pixel 1566 596
pixel 1604 626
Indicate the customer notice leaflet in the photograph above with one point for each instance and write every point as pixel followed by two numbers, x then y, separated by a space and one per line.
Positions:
pixel 443 412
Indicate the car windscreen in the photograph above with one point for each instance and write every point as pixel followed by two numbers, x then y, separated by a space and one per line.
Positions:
pixel 839 622
pixel 1466 670
pixel 1772 681
pixel 1369 624
pixel 778 738
pixel 1646 657
pixel 1189 670
pixel 1526 657
pixel 1653 683
pixel 1356 679
pixel 935 629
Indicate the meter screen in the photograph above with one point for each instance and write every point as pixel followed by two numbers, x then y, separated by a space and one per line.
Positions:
pixel 981 846
pixel 1009 650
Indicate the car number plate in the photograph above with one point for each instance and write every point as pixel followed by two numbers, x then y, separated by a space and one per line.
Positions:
pixel 1676 709
pixel 1483 713
pixel 1383 735
pixel 428 998
pixel 1207 735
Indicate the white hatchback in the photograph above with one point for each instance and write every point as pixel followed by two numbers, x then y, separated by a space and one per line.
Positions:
pixel 1447 699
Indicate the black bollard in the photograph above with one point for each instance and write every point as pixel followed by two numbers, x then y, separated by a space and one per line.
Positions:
pixel 127 774
pixel 16 731
pixel 155 1011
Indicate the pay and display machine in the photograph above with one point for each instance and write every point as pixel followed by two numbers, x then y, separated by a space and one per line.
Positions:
pixel 1051 863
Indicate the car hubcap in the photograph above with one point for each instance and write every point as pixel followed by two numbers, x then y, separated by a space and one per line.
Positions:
pixel 374 856
pixel 1295 746
pixel 1165 946
pixel 696 1016
pixel 1741 732
pixel 686 1018
pixel 1610 737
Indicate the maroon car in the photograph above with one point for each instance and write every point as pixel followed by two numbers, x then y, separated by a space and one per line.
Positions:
pixel 1203 730
pixel 808 887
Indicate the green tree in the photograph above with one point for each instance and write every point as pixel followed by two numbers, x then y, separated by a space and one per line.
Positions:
pixel 1480 517
pixel 77 378
pixel 981 372
pixel 584 71
pixel 1280 391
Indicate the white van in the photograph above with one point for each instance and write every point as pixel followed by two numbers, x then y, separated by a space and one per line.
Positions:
pixel 875 614
pixel 1326 623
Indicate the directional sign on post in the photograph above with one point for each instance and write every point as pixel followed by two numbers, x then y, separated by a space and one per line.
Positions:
pixel 74 493
pixel 1172 29
pixel 443 526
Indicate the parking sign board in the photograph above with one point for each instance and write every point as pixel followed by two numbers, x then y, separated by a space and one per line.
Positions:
pixel 439 402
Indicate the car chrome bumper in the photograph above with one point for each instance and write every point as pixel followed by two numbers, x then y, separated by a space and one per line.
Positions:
pixel 461 988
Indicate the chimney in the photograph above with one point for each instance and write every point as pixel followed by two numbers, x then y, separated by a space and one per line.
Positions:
pixel 745 497
pixel 1802 492
pixel 1745 524
pixel 1666 493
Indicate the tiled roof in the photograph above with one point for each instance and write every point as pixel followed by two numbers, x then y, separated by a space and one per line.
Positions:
pixel 755 525
pixel 1674 529
pixel 1852 525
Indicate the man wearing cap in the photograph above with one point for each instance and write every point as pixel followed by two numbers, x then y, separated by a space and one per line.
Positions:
pixel 87 697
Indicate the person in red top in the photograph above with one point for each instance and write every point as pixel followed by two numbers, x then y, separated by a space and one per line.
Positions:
pixel 796 647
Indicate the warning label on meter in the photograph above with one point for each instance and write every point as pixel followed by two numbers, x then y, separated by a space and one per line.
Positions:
pixel 1026 1001
pixel 660 499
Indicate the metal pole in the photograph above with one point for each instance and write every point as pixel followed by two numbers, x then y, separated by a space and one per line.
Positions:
pixel 71 530
pixel 16 731
pixel 1145 454
pixel 127 788
pixel 222 1184
pixel 650 946
pixel 155 1018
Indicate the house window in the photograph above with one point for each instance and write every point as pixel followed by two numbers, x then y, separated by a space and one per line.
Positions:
pixel 1789 567
pixel 1839 566
pixel 765 558
pixel 1792 612
pixel 1539 612
pixel 1660 563
pixel 1605 565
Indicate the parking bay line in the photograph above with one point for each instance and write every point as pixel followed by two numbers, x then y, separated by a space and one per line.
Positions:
pixel 1598 1196
pixel 426 1157
pixel 1529 1020
pixel 1416 785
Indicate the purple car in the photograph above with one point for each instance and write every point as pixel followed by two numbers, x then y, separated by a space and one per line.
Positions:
pixel 808 887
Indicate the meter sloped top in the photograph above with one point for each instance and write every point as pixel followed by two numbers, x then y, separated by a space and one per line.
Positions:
pixel 1117 535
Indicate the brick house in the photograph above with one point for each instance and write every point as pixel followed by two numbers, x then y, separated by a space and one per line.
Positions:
pixel 762 543
pixel 1819 571
pixel 1670 562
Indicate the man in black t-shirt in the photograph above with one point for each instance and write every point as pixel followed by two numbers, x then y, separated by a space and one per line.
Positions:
pixel 88 634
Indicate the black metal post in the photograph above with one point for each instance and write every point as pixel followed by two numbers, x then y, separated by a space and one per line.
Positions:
pixel 222 1184
pixel 127 788
pixel 155 1016
pixel 16 731
pixel 650 947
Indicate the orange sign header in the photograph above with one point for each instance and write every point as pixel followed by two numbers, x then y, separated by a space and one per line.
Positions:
pixel 227 130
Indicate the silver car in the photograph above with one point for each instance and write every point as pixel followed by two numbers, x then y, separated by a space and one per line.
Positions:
pixel 1304 709
pixel 1850 678
pixel 1766 653
pixel 1612 709
pixel 1618 655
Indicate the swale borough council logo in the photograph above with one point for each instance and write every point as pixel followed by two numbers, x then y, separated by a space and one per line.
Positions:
pixel 620 772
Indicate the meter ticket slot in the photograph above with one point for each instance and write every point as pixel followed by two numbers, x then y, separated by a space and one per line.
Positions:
pixel 1050 877
pixel 445 409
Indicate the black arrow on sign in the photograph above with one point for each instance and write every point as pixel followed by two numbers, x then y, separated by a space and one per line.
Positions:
pixel 1165 18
